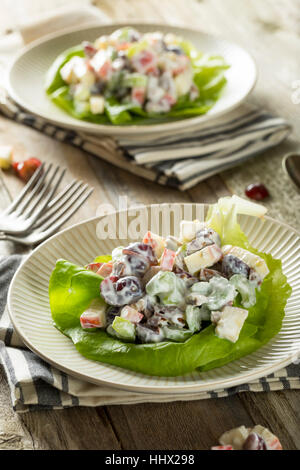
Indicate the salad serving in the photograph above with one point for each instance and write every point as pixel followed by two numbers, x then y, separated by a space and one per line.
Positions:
pixel 133 78
pixel 168 306
pixel 242 438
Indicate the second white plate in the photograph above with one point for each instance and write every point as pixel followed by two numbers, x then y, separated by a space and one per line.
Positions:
pixel 27 77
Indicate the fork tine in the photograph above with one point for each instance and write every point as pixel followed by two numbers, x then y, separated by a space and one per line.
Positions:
pixel 64 208
pixel 69 214
pixel 62 193
pixel 31 212
pixel 37 237
pixel 41 194
pixel 20 210
pixel 64 217
pixel 25 190
pixel 73 210
pixel 59 201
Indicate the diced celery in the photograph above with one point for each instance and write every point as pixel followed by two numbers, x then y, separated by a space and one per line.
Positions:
pixel 202 288
pixel 193 318
pixel 188 48
pixel 81 107
pixel 168 287
pixel 222 293
pixel 137 47
pixel 115 82
pixel 182 249
pixel 246 288
pixel 205 312
pixel 124 328
pixel 176 334
pixel 82 92
pixel 135 80
pixel 124 34
pixel 218 290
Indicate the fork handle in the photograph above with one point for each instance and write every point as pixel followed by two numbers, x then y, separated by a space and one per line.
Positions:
pixel 7 237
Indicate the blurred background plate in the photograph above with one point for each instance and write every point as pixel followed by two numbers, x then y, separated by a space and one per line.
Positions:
pixel 27 77
pixel 29 309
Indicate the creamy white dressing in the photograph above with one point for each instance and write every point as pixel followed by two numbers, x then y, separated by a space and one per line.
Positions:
pixel 176 299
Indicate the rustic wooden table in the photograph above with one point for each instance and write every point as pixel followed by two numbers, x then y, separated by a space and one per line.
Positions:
pixel 270 30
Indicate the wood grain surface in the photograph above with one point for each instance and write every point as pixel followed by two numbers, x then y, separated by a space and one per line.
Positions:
pixel 270 30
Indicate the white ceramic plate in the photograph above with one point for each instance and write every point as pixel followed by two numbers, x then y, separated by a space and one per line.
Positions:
pixel 27 76
pixel 30 313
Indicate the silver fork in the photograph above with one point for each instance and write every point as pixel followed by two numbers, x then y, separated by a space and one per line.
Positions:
pixel 21 215
pixel 61 208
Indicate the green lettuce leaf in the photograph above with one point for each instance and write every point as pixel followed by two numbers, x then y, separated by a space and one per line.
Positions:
pixel 222 217
pixel 118 113
pixel 53 78
pixel 73 288
pixel 71 291
pixel 62 98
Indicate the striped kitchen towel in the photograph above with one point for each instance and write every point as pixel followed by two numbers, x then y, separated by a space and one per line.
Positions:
pixel 34 384
pixel 181 160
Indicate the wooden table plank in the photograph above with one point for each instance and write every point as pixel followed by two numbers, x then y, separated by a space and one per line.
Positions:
pixel 279 411
pixel 178 425
pixel 13 432
pixel 71 429
pixel 197 424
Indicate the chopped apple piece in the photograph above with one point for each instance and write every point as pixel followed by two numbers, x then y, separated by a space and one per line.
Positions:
pixel 189 229
pixel 131 314
pixel 204 258
pixel 67 72
pixel 93 267
pixel 106 269
pixel 157 243
pixel 97 104
pixel 230 323
pixel 94 316
pixel 235 437
pixel 255 262
pixel 167 260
